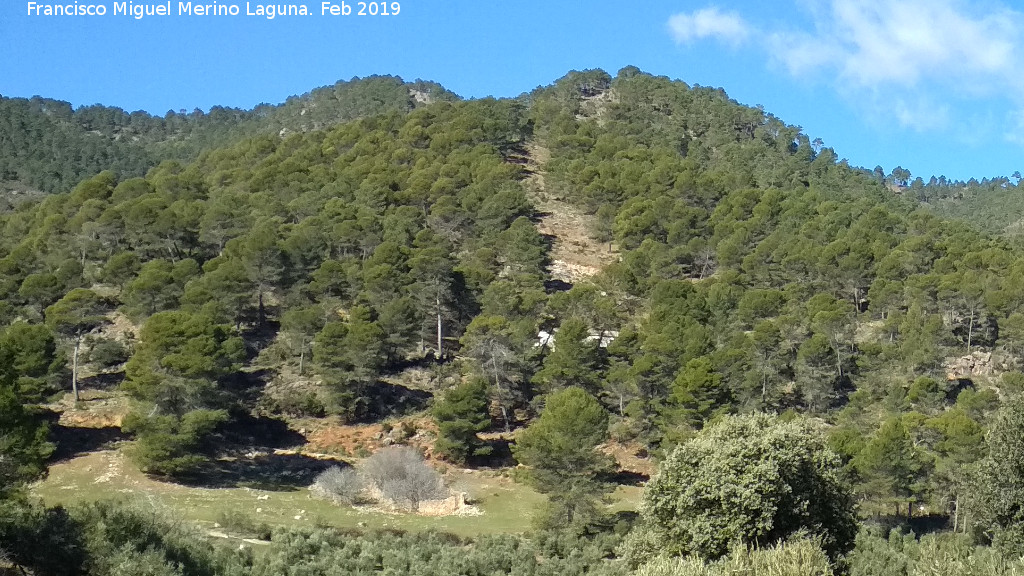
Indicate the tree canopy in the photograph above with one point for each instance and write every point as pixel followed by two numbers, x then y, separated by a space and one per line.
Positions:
pixel 747 480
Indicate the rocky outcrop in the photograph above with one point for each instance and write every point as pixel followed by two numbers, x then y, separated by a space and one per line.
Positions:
pixel 973 365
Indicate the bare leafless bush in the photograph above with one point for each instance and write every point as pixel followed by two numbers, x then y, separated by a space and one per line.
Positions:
pixel 344 485
pixel 403 477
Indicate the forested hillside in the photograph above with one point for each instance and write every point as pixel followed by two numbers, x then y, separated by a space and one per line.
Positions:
pixel 992 205
pixel 761 289
pixel 47 145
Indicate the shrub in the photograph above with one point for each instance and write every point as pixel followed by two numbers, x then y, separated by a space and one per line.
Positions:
pixel 799 558
pixel 242 523
pixel 461 414
pixel 170 446
pixel 942 553
pixel 343 485
pixel 753 480
pixel 108 352
pixel 295 404
pixel 402 476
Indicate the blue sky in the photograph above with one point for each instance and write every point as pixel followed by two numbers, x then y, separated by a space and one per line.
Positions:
pixel 936 86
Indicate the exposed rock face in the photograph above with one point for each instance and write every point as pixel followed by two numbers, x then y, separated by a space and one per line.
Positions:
pixel 575 254
pixel 975 364
pixel 572 273
pixel 546 339
pixel 454 505
pixel 420 97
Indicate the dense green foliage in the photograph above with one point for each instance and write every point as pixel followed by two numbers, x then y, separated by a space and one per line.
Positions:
pixel 111 539
pixel 906 554
pixel 23 436
pixel 365 260
pixel 461 415
pixel 49 146
pixel 760 273
pixel 357 231
pixel 991 204
pixel 799 558
pixel 747 480
pixel 560 447
pixel 998 482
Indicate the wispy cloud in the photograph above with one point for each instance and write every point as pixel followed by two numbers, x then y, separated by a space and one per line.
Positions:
pixel 920 114
pixel 907 60
pixel 1014 128
pixel 904 43
pixel 728 27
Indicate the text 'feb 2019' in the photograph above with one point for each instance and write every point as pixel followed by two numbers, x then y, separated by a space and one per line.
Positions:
pixel 269 11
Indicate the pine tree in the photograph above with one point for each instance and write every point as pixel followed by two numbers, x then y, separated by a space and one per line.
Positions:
pixel 695 394
pixel 23 432
pixel 73 316
pixel 460 416
pixel 575 360
pixel 560 447
pixel 892 466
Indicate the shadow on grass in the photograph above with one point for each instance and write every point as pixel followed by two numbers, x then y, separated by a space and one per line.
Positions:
pixel 260 471
pixel 246 446
pixel 627 478
pixel 70 441
pixel 244 431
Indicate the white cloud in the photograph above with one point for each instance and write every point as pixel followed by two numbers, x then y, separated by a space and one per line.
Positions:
pixel 1014 127
pixel 920 114
pixel 802 53
pixel 870 43
pixel 916 64
pixel 710 22
pixel 910 62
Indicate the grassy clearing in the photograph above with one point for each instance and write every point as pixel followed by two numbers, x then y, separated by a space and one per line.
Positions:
pixel 506 506
pixel 626 498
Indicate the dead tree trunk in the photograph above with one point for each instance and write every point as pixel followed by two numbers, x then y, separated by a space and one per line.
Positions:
pixel 440 349
pixel 956 513
pixel 970 331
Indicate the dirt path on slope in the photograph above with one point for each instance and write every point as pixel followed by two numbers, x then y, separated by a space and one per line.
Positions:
pixel 575 256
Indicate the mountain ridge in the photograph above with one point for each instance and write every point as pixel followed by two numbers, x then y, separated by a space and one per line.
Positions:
pixel 47 145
